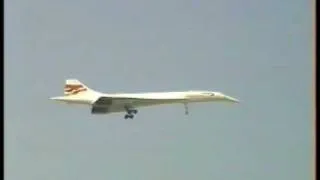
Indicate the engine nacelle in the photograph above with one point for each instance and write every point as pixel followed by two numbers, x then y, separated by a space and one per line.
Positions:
pixel 99 110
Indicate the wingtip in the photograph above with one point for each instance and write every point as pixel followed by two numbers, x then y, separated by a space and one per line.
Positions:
pixel 54 98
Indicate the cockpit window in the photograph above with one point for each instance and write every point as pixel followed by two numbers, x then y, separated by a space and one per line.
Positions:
pixel 209 94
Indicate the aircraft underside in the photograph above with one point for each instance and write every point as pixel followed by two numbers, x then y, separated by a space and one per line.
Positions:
pixel 114 109
pixel 130 109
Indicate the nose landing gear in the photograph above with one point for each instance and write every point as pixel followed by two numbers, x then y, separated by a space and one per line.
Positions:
pixel 186 109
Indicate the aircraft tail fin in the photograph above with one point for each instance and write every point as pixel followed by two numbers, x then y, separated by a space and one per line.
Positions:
pixel 74 86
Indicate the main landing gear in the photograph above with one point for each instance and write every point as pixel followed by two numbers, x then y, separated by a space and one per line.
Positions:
pixel 130 113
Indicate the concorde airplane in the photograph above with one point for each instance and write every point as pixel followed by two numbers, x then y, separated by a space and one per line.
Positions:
pixel 76 92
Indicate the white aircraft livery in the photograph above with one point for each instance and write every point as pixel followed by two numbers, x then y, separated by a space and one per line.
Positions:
pixel 76 92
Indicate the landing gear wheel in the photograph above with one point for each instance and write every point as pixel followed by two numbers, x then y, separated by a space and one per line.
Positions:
pixel 130 112
pixel 127 116
pixel 134 111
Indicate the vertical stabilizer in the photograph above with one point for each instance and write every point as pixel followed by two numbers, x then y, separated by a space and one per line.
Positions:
pixel 74 86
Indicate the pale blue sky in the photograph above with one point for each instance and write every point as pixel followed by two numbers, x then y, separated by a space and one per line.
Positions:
pixel 257 51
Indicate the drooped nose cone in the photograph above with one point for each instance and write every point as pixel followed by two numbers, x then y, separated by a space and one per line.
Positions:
pixel 231 99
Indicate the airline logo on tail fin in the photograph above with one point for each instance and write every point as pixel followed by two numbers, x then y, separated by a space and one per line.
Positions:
pixel 73 87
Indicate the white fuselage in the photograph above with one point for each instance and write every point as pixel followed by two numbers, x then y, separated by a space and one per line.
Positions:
pixel 152 98
pixel 75 92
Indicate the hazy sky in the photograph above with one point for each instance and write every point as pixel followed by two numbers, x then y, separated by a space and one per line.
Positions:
pixel 257 51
